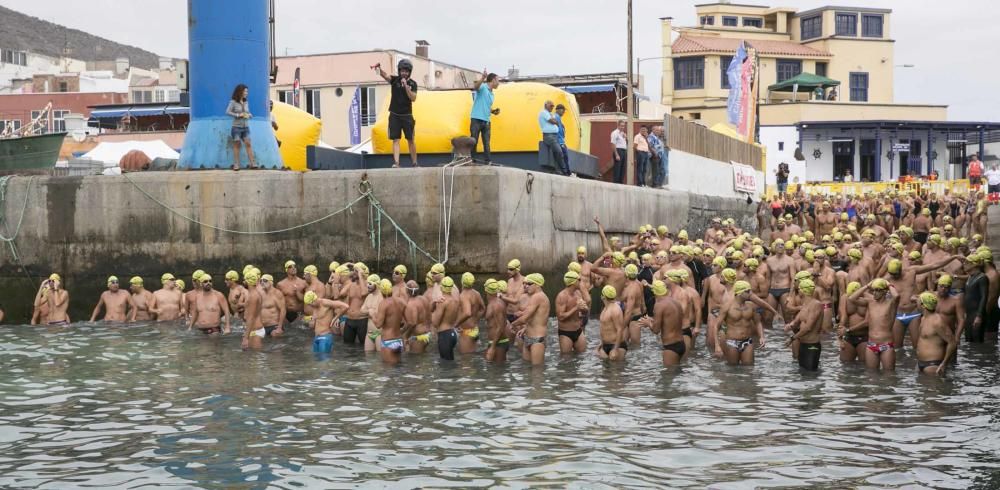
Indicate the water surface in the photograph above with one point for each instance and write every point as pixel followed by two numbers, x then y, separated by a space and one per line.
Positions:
pixel 153 405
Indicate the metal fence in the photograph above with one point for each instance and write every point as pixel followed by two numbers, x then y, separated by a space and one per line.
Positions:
pixel 699 140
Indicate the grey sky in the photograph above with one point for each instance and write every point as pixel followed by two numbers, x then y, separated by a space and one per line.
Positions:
pixel 949 47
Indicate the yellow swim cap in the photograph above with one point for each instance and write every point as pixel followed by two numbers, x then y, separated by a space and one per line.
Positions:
pixel 906 230
pixel 945 280
pixel 373 279
pixel 757 251
pixel 385 286
pixel 536 279
pixel 720 261
pixel 800 275
pixel 642 229
pixel 789 246
pixel 618 259
pixel 247 268
pixel 986 255
pixel 647 257
pixel 112 279
pixel 809 235
pixel 737 255
pixel 838 237
pixel 852 287
pixel 491 286
pixel 676 276
pixel 879 284
pixel 289 264
pixel 807 287
pixel 166 278
pixel 312 270
pixel 360 266
pixel 581 250
pixel 925 211
pixel 855 254
pixel 503 286
pixel 662 230
pixel 631 271
pixel 135 281
pixel 810 256
pixel 310 297
pixel 633 256
pixel 929 300
pixel 977 237
pixel 55 277
pixel 895 266
pixel 575 267
pixel 342 270
pixel 935 239
pixel 232 276
pixel 334 265
pixel 738 244
pixel 659 288
pixel 709 252
pixel 683 235
pixel 447 284
pixel 609 292
pixel 752 264
pixel 728 275
pixel 614 239
pixel 256 271
pixel 662 254
pixel 437 269
pixel 180 284
pixel 514 264
pixel 196 276
pixel 400 269
pixel 267 277
pixel 570 278
pixel 251 278
pixel 468 279
pixel 206 278
pixel 915 255
pixel 741 287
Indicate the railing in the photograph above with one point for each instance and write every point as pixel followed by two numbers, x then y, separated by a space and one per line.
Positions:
pixel 699 140
pixel 860 188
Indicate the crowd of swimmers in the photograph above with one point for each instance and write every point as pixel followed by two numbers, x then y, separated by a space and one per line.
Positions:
pixel 872 280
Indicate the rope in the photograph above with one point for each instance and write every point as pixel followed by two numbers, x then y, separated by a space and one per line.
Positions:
pixel 4 180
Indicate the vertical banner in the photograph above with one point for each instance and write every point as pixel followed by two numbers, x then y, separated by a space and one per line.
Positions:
pixel 735 88
pixel 354 117
pixel 754 97
pixel 295 89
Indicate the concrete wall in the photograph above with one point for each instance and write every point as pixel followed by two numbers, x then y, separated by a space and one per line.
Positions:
pixel 704 176
pixel 87 228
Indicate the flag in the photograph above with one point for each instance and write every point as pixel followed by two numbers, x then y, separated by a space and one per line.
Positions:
pixel 295 89
pixel 354 117
pixel 748 98
pixel 735 88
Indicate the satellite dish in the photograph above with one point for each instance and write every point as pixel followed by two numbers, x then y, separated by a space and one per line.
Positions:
pixel 78 135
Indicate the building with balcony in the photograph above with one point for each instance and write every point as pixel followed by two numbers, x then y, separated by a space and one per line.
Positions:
pixel 854 128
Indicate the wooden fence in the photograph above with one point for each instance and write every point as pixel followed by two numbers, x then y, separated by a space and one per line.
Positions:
pixel 699 140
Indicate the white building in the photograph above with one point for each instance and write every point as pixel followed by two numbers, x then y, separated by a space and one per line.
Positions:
pixel 22 65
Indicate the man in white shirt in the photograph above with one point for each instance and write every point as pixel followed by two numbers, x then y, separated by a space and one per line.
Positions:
pixel 619 141
pixel 993 182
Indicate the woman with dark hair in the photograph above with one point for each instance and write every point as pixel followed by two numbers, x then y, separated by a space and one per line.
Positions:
pixel 239 109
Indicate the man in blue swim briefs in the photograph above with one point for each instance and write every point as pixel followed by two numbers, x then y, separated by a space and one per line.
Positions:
pixel 389 320
pixel 903 279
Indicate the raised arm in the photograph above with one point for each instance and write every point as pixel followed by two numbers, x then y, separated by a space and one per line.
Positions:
pixel 604 238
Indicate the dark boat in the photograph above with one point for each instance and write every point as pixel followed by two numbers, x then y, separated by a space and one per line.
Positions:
pixel 27 155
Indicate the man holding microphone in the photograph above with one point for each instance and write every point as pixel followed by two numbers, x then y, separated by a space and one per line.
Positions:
pixel 403 94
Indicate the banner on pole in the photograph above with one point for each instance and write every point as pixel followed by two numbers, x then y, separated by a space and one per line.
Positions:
pixel 354 117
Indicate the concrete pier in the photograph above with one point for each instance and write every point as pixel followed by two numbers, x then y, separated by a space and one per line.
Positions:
pixel 87 228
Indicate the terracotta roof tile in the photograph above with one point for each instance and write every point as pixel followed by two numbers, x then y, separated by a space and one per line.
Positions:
pixel 697 44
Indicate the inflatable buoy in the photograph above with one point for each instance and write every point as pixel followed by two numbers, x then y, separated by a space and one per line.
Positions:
pixel 297 129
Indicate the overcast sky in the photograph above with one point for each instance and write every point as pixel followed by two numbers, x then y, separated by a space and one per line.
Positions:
pixel 953 48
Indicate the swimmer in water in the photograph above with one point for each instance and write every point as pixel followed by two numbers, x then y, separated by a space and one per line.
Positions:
pixel 668 322
pixel 881 315
pixel 142 299
pixel 937 340
pixel 310 276
pixel 167 300
pixel 388 319
pixel 571 315
pixel 237 294
pixel 209 305
pixel 272 307
pixel 399 282
pixel 496 322
pixel 254 332
pixel 417 318
pixel 532 324
pixel 55 300
pixel 117 304
pixel 613 333
pixel 293 288
pixel 325 312
pixel 472 311
pixel 444 318
pixel 807 326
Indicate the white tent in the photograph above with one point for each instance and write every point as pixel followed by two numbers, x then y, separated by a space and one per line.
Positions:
pixel 110 153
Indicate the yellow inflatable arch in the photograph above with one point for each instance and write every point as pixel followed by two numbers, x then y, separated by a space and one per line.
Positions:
pixel 444 114
pixel 297 129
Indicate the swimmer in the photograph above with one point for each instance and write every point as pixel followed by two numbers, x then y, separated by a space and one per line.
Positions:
pixel 825 283
pixel 635 306
pixel 586 276
pixel 444 318
pixel 937 341
pixel 325 312
pixel 532 324
pixel 904 281
pixel 417 318
pixel 141 298
pixel 974 300
pixel 254 332
pixel 55 300
pixel 370 306
pixel 881 315
pixel 167 300
pixel 853 331
pixel 808 325
pixel 613 333
pixel 272 307
pixel 354 293
pixel 737 314
pixel 571 311
pixel 496 323
pixel 310 276
pixel 293 288
pixel 237 296
pixel 188 297
pixel 780 265
pixel 118 305
pixel 515 290
pixel 714 296
pixel 207 307
pixel 614 275
pixel 690 302
pixel 949 305
pixel 667 322
pixel 472 311
pixel 399 283
pixel 388 318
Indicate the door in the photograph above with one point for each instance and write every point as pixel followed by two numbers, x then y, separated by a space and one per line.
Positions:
pixel 868 159
pixel 916 160
pixel 904 160
pixel 843 159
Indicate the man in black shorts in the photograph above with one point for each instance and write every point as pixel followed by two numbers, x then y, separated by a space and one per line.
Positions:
pixel 403 94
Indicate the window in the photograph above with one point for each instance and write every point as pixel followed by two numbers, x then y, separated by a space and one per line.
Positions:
pixel 43 125
pixel 59 121
pixel 174 96
pixel 285 97
pixel 788 69
pixel 812 27
pixel 821 68
pixel 369 110
pixel 781 146
pixel 730 21
pixel 63 87
pixel 13 57
pixel 160 96
pixel 14 125
pixel 142 97
pixel 724 62
pixel 847 24
pixel 871 25
pixel 753 22
pixel 859 87
pixel 689 73
pixel 312 103
pixel 708 20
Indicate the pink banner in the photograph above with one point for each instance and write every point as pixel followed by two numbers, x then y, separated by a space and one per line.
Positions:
pixel 746 99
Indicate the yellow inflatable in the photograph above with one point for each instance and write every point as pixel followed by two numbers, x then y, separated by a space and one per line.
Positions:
pixel 297 129
pixel 443 115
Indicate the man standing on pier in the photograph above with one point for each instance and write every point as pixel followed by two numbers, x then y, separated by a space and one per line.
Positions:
pixel 550 137
pixel 117 303
pixel 403 92
pixel 482 108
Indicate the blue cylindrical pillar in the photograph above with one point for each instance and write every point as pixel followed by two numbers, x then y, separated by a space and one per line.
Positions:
pixel 228 45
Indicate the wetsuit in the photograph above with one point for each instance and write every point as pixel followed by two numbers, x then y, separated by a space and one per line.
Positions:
pixel 646 274
pixel 974 301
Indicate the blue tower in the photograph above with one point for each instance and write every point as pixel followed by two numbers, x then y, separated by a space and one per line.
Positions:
pixel 228 46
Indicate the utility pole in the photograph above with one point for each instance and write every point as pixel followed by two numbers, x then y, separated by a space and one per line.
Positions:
pixel 630 158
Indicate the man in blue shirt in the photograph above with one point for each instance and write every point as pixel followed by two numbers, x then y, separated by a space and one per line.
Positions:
pixel 482 108
pixel 560 110
pixel 550 136
pixel 657 149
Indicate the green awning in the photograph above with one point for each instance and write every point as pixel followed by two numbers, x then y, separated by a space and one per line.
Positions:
pixel 805 81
